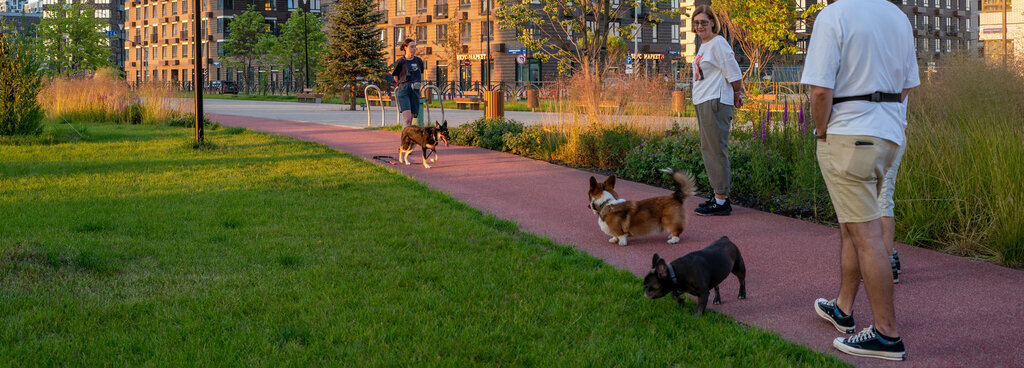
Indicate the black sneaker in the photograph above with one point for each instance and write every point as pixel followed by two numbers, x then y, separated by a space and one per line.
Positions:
pixel 707 203
pixel 868 344
pixel 895 270
pixel 715 209
pixel 828 310
pixel 896 256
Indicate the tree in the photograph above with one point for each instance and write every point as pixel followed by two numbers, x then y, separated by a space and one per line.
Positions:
pixel 763 29
pixel 554 28
pixel 19 111
pixel 354 48
pixel 301 42
pixel 73 39
pixel 243 48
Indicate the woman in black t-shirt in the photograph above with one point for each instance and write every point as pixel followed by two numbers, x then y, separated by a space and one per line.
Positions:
pixel 408 73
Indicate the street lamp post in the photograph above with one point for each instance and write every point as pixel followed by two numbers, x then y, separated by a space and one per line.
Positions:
pixel 197 44
pixel 305 40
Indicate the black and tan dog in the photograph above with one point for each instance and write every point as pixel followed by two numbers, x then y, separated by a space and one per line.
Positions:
pixel 621 218
pixel 697 273
pixel 427 138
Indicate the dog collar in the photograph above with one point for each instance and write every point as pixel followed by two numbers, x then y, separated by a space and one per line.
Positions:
pixel 602 204
pixel 672 272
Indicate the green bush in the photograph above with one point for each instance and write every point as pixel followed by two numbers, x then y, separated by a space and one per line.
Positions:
pixel 679 149
pixel 20 113
pixel 134 113
pixel 486 133
pixel 600 146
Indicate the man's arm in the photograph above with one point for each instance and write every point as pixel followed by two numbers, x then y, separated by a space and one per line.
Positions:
pixel 821 109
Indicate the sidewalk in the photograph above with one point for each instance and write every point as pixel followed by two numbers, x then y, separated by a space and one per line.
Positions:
pixel 952 311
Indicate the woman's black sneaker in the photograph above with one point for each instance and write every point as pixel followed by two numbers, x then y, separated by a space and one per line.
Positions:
pixel 827 309
pixel 715 209
pixel 707 203
pixel 868 344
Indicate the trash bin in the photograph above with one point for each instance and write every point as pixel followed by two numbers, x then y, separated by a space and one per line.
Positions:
pixel 678 102
pixel 532 98
pixel 494 105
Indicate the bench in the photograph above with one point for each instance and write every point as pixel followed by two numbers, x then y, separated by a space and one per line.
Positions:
pixel 371 99
pixel 309 97
pixel 612 107
pixel 473 103
pixel 768 101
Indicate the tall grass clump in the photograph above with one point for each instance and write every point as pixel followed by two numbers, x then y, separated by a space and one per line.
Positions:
pixel 960 184
pixel 20 114
pixel 106 97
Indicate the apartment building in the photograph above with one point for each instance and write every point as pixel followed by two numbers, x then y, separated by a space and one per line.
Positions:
pixel 486 54
pixel 160 36
pixel 942 26
pixel 997 16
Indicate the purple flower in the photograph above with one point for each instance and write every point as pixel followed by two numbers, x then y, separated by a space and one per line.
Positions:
pixel 768 116
pixel 785 112
pixel 800 119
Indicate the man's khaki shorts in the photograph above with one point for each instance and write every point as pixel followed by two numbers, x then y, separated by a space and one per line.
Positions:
pixel 853 167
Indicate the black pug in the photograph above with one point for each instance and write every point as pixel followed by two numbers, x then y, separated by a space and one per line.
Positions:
pixel 427 138
pixel 696 273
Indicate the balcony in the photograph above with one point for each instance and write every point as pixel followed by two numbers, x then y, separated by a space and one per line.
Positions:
pixel 441 11
pixel 152 38
pixel 384 19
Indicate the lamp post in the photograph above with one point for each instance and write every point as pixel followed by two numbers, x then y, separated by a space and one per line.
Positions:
pixel 197 55
pixel 305 40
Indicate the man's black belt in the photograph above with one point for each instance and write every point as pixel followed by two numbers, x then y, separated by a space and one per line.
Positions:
pixel 874 97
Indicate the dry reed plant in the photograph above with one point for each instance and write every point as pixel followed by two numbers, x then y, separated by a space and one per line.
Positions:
pixel 106 97
pixel 959 187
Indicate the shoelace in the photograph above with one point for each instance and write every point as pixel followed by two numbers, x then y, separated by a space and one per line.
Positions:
pixel 865 335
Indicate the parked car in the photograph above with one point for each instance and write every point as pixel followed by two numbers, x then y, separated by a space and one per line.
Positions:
pixel 228 87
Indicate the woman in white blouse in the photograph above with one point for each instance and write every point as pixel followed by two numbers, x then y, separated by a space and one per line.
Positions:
pixel 717 88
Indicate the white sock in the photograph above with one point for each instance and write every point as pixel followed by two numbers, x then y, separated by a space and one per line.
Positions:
pixel 720 201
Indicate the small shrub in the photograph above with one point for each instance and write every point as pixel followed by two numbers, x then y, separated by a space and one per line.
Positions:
pixel 602 146
pixel 20 113
pixel 486 133
pixel 187 121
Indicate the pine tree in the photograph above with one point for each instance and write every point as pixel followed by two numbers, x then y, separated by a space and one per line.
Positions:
pixel 354 48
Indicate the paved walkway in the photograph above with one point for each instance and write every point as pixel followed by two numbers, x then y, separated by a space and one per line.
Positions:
pixel 333 114
pixel 952 311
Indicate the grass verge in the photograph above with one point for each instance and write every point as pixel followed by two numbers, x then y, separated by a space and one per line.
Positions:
pixel 130 248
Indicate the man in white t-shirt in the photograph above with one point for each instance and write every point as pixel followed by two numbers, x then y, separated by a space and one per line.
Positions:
pixel 861 64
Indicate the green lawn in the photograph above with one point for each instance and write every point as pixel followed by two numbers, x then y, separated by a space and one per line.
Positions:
pixel 129 248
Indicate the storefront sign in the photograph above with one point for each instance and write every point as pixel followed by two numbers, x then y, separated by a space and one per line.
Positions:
pixel 647 56
pixel 472 57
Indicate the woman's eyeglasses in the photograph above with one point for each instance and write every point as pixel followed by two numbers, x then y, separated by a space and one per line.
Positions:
pixel 704 23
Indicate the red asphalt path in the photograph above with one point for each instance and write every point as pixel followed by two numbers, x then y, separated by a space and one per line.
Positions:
pixel 951 311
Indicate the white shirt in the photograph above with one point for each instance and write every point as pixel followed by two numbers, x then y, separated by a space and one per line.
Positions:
pixel 859 47
pixel 714 68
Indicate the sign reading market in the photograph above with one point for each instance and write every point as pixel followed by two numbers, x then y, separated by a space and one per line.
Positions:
pixel 473 57
pixel 647 56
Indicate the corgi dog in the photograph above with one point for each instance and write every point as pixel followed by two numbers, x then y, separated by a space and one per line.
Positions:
pixel 621 219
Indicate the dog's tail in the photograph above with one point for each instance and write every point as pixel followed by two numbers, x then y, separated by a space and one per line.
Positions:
pixel 684 184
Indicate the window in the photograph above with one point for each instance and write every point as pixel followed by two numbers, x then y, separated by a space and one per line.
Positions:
pixel 937 46
pixel 613 28
pixel 442 33
pixel 421 6
pixel 486 30
pixel 399 7
pixel 592 25
pixel 465 31
pixel 675 33
pixel 675 4
pixel 399 35
pixel 615 4
pixel 949 45
pixel 293 4
pixel 184 51
pixel 220 48
pixel 384 35
pixel 654 33
pixel 174 52
pixel 421 34
pixel 314 6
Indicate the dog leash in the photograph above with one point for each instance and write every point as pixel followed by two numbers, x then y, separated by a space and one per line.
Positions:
pixel 385 158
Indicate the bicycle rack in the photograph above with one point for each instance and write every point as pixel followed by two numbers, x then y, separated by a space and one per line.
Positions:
pixel 380 99
pixel 440 100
